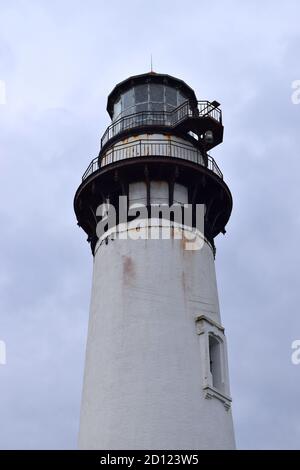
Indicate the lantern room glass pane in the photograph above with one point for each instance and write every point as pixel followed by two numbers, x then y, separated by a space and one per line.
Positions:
pixel 171 96
pixel 128 99
pixel 141 93
pixel 156 106
pixel 141 107
pixel 169 108
pixel 117 108
pixel 128 111
pixel 181 98
pixel 156 93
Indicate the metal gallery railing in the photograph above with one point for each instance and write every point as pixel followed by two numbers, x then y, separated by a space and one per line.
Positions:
pixel 154 148
pixel 161 118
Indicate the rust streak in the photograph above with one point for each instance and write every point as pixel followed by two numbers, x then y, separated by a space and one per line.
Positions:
pixel 128 268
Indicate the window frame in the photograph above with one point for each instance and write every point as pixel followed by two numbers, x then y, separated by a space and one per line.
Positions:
pixel 206 328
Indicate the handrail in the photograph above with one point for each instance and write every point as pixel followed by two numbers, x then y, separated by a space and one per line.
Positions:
pixel 161 118
pixel 151 147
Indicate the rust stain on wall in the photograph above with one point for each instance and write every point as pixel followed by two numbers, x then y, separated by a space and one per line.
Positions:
pixel 128 268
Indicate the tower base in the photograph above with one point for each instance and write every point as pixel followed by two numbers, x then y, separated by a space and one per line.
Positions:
pixel 156 367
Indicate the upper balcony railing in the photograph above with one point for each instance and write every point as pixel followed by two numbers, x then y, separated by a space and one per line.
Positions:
pixel 151 147
pixel 161 118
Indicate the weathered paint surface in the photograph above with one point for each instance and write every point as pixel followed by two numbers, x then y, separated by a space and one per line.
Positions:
pixel 147 367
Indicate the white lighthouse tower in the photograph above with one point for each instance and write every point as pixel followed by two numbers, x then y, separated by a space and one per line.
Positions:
pixel 156 373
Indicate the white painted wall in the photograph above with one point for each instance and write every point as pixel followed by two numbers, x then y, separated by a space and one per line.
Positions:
pixel 146 383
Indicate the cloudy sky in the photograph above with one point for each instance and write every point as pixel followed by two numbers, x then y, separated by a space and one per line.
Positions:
pixel 58 61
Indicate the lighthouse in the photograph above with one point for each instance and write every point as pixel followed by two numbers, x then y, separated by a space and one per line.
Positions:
pixel 156 368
